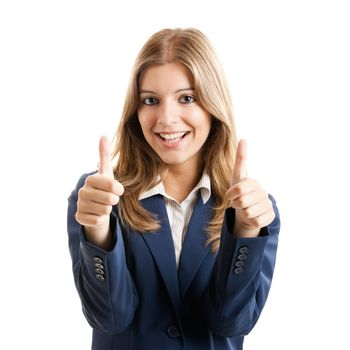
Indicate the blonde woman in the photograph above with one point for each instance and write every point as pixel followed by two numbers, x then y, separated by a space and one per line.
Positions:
pixel 173 245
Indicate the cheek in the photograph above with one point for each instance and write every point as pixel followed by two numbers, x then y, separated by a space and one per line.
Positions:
pixel 205 125
pixel 146 127
pixel 143 120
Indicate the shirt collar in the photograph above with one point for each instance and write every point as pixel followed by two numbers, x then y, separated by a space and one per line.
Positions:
pixel 203 185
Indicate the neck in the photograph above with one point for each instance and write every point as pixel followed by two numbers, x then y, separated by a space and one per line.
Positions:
pixel 179 182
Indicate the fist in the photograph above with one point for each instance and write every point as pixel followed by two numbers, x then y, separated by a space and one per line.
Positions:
pixel 99 193
pixel 253 208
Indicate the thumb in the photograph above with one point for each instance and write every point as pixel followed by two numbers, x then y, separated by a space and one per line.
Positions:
pixel 239 169
pixel 105 167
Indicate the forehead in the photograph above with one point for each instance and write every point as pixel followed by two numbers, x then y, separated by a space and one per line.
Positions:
pixel 170 76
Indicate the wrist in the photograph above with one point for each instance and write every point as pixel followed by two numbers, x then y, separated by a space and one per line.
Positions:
pixel 243 232
pixel 100 236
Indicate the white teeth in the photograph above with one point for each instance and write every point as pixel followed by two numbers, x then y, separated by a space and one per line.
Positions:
pixel 173 136
pixel 173 140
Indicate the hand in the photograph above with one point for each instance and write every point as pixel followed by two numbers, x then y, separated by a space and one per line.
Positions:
pixel 96 198
pixel 253 208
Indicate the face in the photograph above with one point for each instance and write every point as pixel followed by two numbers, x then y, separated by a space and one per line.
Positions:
pixel 173 122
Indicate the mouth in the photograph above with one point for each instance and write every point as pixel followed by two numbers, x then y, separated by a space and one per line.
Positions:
pixel 175 140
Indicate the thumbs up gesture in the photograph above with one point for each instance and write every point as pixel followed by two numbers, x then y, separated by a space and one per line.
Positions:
pixel 253 208
pixel 96 198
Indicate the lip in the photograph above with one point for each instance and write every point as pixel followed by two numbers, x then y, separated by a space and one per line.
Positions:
pixel 171 132
pixel 172 145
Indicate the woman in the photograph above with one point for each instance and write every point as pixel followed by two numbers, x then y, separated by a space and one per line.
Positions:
pixel 173 247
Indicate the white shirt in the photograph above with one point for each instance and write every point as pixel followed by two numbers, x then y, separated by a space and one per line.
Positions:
pixel 179 214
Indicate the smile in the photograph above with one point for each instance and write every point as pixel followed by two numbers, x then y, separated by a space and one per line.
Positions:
pixel 172 140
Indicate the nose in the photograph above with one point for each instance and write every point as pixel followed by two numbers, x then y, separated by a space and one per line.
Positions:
pixel 168 113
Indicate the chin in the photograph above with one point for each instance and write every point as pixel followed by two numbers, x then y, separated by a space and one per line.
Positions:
pixel 173 162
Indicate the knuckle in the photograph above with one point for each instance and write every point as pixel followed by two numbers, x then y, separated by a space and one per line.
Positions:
pixel 77 217
pixel 230 194
pixel 81 218
pixel 90 180
pixel 109 185
pixel 247 212
pixel 81 192
pixel 96 220
pixel 117 188
pixel 93 221
pixel 112 199
pixel 239 189
pixel 107 209
pixel 240 202
pixel 121 190
pixel 256 222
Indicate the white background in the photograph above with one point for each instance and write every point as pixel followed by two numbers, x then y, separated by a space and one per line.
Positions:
pixel 64 68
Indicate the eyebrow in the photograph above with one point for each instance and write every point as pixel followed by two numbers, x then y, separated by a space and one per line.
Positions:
pixel 176 91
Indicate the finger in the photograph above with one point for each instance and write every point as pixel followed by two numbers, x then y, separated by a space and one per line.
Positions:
pixel 104 183
pixel 242 188
pixel 249 199
pixel 105 166
pixel 239 169
pixel 264 219
pixel 95 208
pixel 256 210
pixel 98 196
pixel 89 219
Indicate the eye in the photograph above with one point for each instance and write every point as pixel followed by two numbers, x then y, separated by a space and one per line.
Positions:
pixel 150 101
pixel 187 99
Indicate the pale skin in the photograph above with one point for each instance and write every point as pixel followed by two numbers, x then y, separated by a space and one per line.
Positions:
pixel 96 198
pixel 168 104
pixel 253 207
pixel 171 110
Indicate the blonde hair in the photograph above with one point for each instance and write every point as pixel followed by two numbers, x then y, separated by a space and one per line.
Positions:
pixel 137 165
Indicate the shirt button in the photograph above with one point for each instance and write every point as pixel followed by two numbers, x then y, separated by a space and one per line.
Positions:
pixel 99 266
pixel 173 331
pixel 99 271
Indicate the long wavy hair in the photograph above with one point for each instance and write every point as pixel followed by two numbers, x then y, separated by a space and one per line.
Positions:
pixel 137 165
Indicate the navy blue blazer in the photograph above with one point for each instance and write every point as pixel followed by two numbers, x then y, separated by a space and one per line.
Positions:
pixel 134 297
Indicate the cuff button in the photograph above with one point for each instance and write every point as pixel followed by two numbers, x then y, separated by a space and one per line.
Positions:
pixel 100 277
pixel 99 272
pixel 98 260
pixel 238 270
pixel 243 250
pixel 239 263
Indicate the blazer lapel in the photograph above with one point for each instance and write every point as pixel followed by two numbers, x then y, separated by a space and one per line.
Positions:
pixel 161 246
pixel 194 248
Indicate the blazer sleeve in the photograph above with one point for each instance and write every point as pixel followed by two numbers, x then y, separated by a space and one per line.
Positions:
pixel 106 289
pixel 241 278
